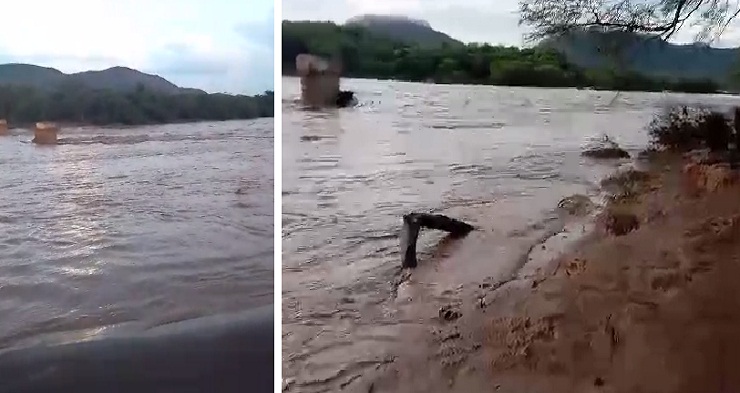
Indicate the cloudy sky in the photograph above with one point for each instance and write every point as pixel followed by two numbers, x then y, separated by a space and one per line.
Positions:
pixel 492 21
pixel 214 45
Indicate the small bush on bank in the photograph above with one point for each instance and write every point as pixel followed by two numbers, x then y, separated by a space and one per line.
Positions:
pixel 627 185
pixel 684 128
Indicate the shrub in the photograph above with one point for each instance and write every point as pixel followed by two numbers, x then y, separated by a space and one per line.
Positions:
pixel 684 128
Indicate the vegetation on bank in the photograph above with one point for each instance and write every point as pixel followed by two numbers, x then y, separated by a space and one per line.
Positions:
pixel 367 55
pixel 74 103
pixel 684 128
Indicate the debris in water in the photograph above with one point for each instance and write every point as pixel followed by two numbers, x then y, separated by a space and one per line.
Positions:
pixel 412 224
pixel 448 313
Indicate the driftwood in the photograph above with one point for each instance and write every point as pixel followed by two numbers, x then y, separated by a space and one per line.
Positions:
pixel 412 224
pixel 345 98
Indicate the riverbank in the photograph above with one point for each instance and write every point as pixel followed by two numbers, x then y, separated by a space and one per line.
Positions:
pixel 29 126
pixel 654 310
pixel 499 159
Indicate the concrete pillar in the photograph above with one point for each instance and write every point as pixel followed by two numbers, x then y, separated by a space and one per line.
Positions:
pixel 3 127
pixel 45 133
pixel 319 80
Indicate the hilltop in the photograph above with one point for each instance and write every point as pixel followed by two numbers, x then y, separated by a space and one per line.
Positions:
pixel 578 61
pixel 403 29
pixel 646 55
pixel 118 95
pixel 118 79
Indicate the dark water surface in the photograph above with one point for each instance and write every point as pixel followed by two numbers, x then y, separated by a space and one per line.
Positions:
pixel 121 230
pixel 499 157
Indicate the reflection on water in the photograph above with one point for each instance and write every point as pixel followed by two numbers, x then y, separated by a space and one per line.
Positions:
pixel 499 157
pixel 133 227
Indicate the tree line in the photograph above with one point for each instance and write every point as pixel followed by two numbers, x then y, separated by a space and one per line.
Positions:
pixel 365 55
pixel 76 103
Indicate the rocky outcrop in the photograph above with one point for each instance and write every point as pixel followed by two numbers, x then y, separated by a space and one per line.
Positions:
pixel 576 205
pixel 605 148
pixel 700 178
pixel 606 153
pixel 618 222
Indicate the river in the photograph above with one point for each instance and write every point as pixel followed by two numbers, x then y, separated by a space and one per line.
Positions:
pixel 120 230
pixel 498 157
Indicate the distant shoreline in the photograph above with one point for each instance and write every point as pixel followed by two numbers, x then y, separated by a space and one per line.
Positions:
pixel 63 125
pixel 432 82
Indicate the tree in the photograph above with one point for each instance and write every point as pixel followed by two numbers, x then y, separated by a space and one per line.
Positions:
pixel 76 103
pixel 369 55
pixel 659 18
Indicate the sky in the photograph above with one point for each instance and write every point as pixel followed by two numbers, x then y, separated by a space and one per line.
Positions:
pixel 214 45
pixel 492 21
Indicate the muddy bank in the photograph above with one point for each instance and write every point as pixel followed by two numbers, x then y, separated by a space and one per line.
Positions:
pixel 647 306
pixel 499 159
pixel 655 310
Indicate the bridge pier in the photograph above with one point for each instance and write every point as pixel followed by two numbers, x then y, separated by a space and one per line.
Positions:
pixel 45 133
pixel 319 80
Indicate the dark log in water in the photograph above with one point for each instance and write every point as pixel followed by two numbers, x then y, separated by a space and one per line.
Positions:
pixel 345 98
pixel 412 224
pixel 209 355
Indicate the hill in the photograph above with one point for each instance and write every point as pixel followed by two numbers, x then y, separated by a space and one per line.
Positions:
pixel 355 45
pixel 118 79
pixel 403 29
pixel 366 54
pixel 648 56
pixel 118 95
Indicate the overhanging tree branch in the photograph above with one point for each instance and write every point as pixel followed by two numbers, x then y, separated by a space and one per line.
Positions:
pixel 658 18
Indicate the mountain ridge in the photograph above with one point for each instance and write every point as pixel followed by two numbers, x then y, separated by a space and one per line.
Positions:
pixel 403 28
pixel 117 78
pixel 645 55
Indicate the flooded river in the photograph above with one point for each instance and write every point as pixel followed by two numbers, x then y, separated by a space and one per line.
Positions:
pixel 498 157
pixel 121 230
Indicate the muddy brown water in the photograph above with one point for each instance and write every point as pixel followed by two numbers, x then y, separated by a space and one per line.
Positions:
pixel 498 157
pixel 122 229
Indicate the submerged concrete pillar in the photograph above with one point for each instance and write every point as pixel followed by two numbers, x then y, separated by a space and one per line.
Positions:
pixel 3 126
pixel 45 133
pixel 319 80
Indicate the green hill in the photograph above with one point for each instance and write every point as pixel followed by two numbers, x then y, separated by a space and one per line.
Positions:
pixel 555 63
pixel 118 95
pixel 646 55
pixel 403 29
pixel 119 79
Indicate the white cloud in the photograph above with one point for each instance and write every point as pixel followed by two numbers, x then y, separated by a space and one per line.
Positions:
pixel 78 35
pixel 469 21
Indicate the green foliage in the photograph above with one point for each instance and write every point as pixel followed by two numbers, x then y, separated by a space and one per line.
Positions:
pixel 403 29
pixel 367 55
pixel 646 55
pixel 74 103
pixel 684 128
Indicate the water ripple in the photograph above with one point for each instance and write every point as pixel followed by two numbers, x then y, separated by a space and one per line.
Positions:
pixel 498 157
pixel 137 224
